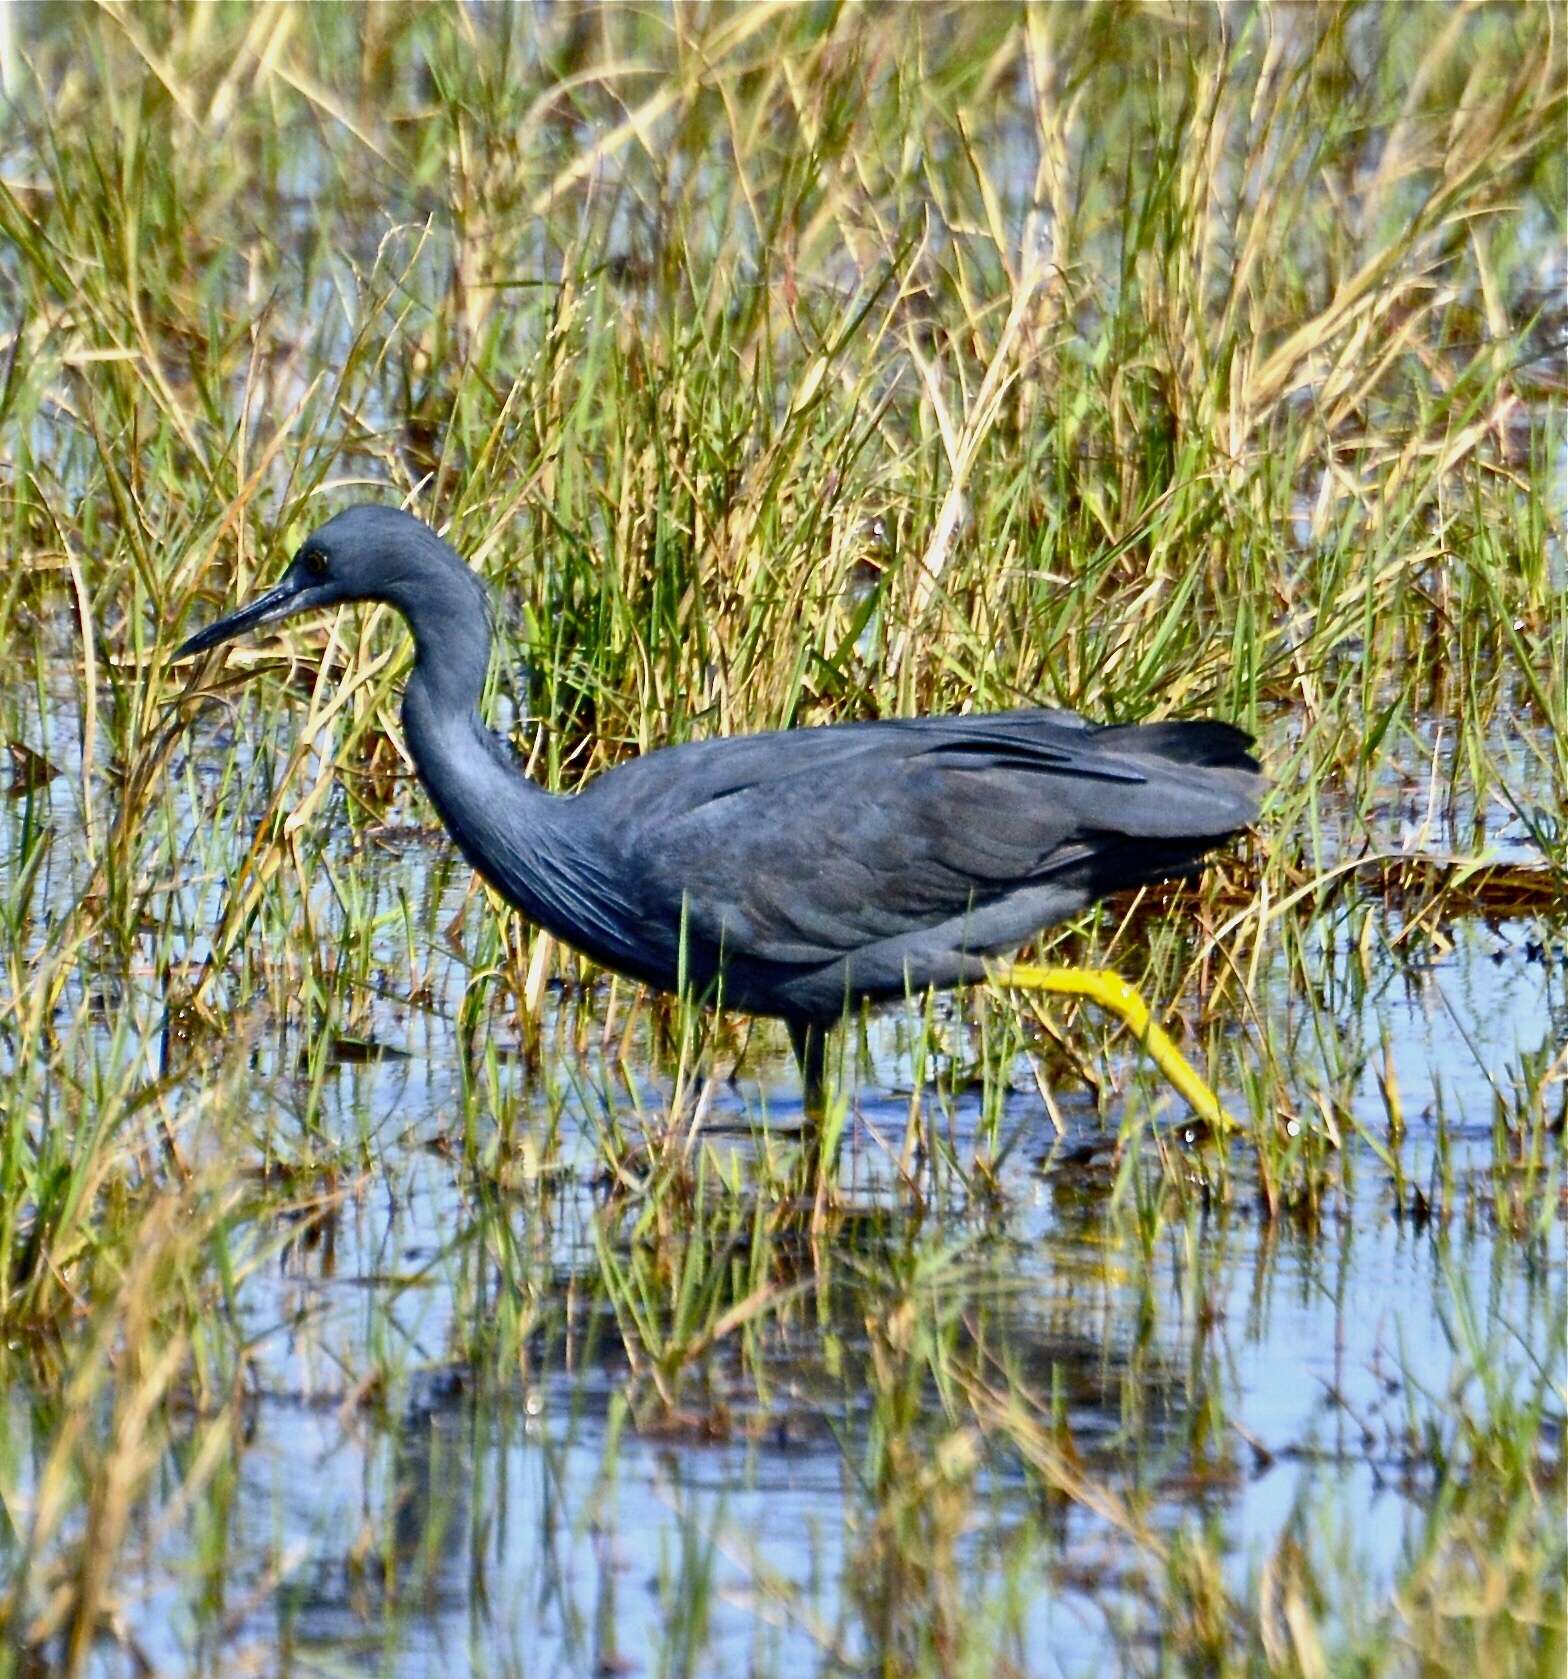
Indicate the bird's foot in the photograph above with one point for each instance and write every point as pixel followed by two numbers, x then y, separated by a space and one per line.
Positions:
pixel 1112 992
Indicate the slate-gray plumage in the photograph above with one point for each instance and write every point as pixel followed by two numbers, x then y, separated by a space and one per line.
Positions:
pixel 804 870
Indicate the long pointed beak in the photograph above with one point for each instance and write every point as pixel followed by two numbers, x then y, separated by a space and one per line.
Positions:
pixel 277 603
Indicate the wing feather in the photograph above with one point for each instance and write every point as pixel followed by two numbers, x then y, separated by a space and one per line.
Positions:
pixel 802 846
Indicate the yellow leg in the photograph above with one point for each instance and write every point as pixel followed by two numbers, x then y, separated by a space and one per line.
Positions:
pixel 1112 992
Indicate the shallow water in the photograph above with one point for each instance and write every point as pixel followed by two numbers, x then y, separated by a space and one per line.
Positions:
pixel 454 1451
pixel 407 1501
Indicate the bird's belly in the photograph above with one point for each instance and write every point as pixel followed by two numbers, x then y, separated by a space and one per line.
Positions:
pixel 951 952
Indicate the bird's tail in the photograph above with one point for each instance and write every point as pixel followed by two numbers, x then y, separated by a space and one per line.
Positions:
pixel 1207 743
pixel 1118 863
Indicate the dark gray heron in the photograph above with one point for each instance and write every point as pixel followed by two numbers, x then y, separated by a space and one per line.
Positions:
pixel 797 873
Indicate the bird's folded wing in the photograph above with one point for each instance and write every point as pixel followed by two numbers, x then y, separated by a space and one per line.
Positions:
pixel 799 848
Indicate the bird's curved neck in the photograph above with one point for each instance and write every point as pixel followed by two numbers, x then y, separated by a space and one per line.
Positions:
pixel 542 852
pixel 497 815
pixel 451 650
pixel 500 819
pixel 546 854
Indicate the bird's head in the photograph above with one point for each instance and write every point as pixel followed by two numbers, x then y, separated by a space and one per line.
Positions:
pixel 370 553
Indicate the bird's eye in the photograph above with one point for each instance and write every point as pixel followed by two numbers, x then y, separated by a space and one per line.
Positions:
pixel 316 563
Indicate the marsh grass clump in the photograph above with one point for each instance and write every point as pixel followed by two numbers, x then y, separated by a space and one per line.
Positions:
pixel 370 1266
